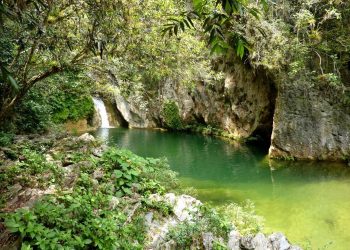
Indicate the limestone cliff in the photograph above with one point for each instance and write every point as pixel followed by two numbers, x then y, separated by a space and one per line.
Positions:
pixel 311 123
pixel 242 105
pixel 307 121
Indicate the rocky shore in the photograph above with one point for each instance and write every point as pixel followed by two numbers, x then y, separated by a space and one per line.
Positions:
pixel 65 160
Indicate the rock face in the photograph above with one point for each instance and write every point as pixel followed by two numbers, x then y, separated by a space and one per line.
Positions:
pixel 86 138
pixel 186 209
pixel 310 123
pixel 234 241
pixel 307 121
pixel 114 117
pixel 133 115
pixel 78 126
pixel 241 105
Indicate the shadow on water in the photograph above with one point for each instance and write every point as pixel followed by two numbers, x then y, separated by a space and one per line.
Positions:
pixel 309 201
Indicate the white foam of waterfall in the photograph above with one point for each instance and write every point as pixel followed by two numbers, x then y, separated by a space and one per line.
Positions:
pixel 101 109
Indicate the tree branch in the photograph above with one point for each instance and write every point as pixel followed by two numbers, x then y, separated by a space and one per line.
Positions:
pixel 35 79
pixel 26 66
pixel 7 107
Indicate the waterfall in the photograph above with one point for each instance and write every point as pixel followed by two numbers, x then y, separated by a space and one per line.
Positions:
pixel 101 109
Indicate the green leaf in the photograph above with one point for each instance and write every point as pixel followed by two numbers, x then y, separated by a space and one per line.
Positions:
pixel 127 176
pixel 166 30
pixel 6 76
pixel 176 29
pixel 255 12
pixel 87 241
pixel 218 49
pixel 118 173
pixel 240 49
pixel 124 165
pixel 190 21
pixel 119 194
pixel 187 23
pixel 126 190
pixel 265 4
pixel 134 172
pixel 12 226
pixel 198 5
pixel 26 247
pixel 182 26
pixel 74 206
pixel 51 234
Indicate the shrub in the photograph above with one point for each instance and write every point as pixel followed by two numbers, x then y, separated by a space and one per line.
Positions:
pixel 82 217
pixel 129 171
pixel 219 222
pixel 6 139
pixel 33 170
pixel 34 113
pixel 72 99
pixel 186 233
pixel 171 115
pixel 51 103
pixel 243 217
pixel 71 106
pixel 80 220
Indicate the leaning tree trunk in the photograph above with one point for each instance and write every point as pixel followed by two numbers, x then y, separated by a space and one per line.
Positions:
pixel 7 108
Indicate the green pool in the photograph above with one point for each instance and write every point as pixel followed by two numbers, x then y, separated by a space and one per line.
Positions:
pixel 309 202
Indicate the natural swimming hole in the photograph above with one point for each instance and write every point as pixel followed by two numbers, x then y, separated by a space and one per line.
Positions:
pixel 307 201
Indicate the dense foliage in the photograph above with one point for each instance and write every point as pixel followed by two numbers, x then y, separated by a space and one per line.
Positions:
pixel 292 42
pixel 42 38
pixel 302 41
pixel 146 64
pixel 71 99
pixel 296 41
pixel 171 115
pixel 216 19
pixel 119 44
pixel 56 100
pixel 91 213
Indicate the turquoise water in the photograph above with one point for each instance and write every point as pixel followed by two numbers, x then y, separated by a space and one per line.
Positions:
pixel 309 202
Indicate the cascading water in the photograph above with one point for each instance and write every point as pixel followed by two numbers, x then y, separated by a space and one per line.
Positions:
pixel 101 108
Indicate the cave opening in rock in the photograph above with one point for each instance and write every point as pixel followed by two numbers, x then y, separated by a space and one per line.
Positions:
pixel 261 136
pixel 121 120
pixel 200 119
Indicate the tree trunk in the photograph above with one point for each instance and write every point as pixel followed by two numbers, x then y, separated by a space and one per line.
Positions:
pixel 7 107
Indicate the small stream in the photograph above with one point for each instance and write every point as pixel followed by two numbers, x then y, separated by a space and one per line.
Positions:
pixel 309 202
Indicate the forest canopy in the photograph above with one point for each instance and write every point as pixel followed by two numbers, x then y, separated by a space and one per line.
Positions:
pixel 140 45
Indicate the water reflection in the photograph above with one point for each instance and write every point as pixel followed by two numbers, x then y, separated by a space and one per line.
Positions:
pixel 308 201
pixel 103 134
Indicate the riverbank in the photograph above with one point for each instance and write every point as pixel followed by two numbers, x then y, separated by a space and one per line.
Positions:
pixel 76 192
